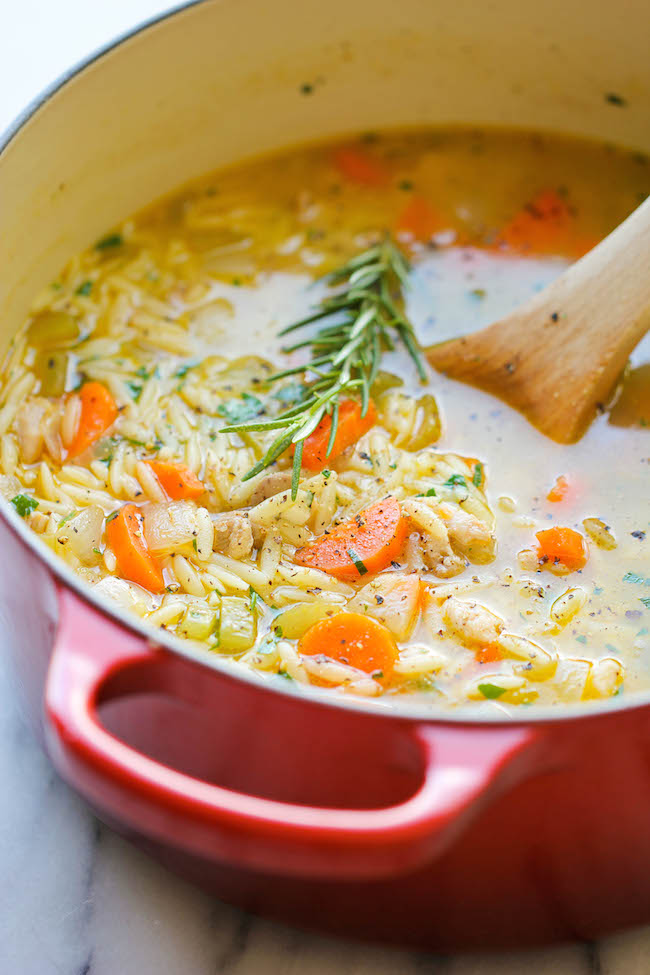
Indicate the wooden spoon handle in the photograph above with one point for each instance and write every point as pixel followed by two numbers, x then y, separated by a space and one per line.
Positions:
pixel 558 357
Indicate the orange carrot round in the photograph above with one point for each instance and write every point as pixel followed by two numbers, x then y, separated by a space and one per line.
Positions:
pixel 125 536
pixel 98 413
pixel 351 426
pixel 359 167
pixel 369 542
pixel 562 545
pixel 353 639
pixel 177 480
pixel 419 219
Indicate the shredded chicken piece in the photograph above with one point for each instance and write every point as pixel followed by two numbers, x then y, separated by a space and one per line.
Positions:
pixel 30 428
pixel 467 534
pixel 271 484
pixel 437 553
pixel 233 535
pixel 473 623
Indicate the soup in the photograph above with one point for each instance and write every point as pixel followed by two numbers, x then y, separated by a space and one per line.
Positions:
pixel 418 540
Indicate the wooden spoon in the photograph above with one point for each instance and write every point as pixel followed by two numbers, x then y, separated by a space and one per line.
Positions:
pixel 558 357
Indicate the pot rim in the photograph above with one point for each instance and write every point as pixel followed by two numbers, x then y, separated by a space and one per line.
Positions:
pixel 316 696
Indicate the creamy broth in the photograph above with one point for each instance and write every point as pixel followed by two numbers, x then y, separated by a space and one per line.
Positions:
pixel 229 261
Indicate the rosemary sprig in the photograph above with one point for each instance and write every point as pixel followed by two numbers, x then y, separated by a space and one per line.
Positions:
pixel 345 354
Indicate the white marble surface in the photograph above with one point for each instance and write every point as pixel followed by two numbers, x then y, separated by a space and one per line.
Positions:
pixel 75 899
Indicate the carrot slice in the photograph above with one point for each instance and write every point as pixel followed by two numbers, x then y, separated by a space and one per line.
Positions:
pixel 563 545
pixel 351 426
pixel 353 639
pixel 125 536
pixel 560 490
pixel 488 654
pixel 98 413
pixel 369 542
pixel 177 480
pixel 359 167
pixel 419 219
pixel 545 225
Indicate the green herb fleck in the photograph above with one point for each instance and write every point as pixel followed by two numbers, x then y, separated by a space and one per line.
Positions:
pixel 97 551
pixel 183 370
pixel 278 632
pixel 135 389
pixel 581 639
pixel 477 478
pixel 112 515
pixel 361 568
pixel 646 601
pixel 636 578
pixel 24 505
pixel 456 480
pixel 85 288
pixel 68 517
pixel 431 493
pixel 290 394
pixel 195 545
pixel 283 673
pixel 491 691
pixel 241 410
pixel 111 240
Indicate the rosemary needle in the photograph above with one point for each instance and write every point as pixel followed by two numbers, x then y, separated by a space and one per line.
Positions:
pixel 345 354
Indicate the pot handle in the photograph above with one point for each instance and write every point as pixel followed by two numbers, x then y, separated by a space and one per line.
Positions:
pixel 462 766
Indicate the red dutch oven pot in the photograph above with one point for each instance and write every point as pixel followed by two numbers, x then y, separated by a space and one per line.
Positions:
pixel 418 827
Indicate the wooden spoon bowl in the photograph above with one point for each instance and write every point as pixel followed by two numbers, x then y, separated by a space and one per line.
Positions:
pixel 558 358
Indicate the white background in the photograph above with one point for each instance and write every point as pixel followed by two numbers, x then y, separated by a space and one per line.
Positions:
pixel 76 900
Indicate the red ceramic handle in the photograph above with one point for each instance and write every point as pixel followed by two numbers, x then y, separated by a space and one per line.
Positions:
pixel 461 764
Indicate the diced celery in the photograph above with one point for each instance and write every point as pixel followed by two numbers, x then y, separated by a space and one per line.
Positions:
pixel 51 367
pixel 197 623
pixel 238 625
pixel 53 330
pixel 296 619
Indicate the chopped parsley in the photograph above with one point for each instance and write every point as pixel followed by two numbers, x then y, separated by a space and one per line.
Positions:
pixel 646 601
pixel 491 691
pixel 68 517
pixel 431 493
pixel 277 630
pixel 24 505
pixel 85 288
pixel 111 240
pixel 241 410
pixel 361 568
pixel 456 480
pixel 290 394
pixel 477 478
pixel 636 578
pixel 255 598
pixel 183 370
pixel 112 515
pixel 135 389
pixel 581 639
pixel 283 673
